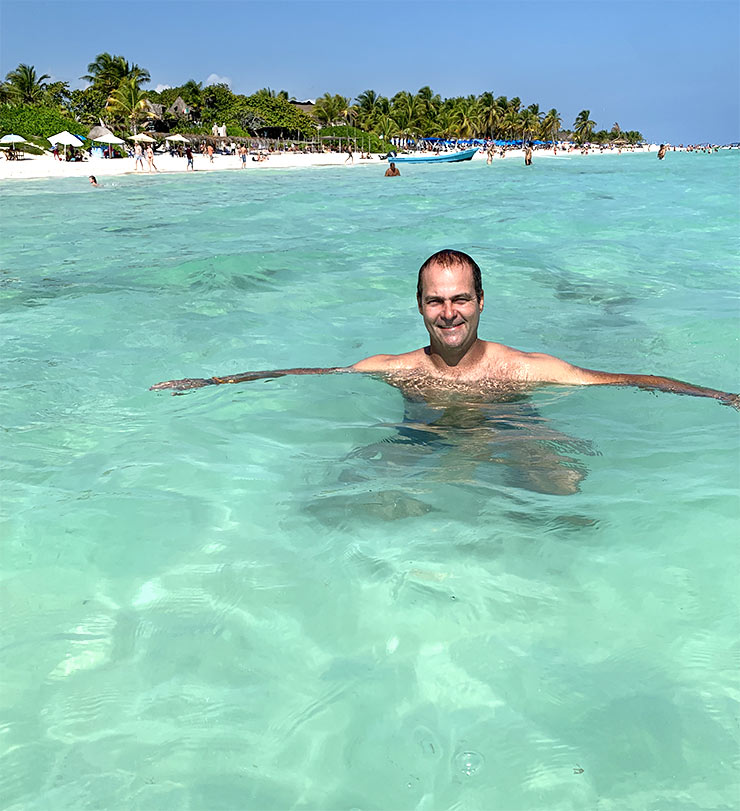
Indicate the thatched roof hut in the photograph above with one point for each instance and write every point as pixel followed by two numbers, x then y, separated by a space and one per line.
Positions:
pixel 178 107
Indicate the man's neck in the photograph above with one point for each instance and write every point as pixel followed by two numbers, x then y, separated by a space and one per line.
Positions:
pixel 444 357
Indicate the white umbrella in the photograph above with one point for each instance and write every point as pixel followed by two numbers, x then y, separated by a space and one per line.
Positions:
pixel 13 139
pixel 177 137
pixel 65 138
pixel 109 138
pixel 143 137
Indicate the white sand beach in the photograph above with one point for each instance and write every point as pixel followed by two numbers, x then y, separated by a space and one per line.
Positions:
pixel 46 166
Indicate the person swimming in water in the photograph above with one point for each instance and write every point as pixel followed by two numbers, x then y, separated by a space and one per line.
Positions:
pixel 450 299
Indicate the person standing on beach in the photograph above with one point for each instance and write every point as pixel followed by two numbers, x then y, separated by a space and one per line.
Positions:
pixel 243 156
pixel 210 152
pixel 138 157
pixel 150 158
pixel 392 171
pixel 350 155
pixel 661 152
pixel 528 155
pixel 189 157
pixel 449 296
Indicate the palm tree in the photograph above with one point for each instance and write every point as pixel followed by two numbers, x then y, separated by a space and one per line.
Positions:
pixel 268 92
pixel 510 123
pixel 24 86
pixel 128 102
pixel 583 126
pixel 328 109
pixel 107 71
pixel 530 121
pixel 367 109
pixel 551 124
pixel 465 115
pixel 386 127
pixel 489 113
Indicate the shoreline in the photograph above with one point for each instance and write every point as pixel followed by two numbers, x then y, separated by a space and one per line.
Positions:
pixel 38 167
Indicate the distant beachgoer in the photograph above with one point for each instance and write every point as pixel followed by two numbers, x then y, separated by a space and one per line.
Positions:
pixel 55 153
pixel 210 152
pixel 138 158
pixel 93 181
pixel 243 156
pixel 661 152
pixel 350 155
pixel 489 156
pixel 449 296
pixel 189 156
pixel 528 155
pixel 392 171
pixel 150 158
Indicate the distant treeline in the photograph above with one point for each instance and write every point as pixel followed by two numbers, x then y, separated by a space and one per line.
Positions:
pixel 115 95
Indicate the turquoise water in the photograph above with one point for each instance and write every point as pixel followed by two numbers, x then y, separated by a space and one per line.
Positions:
pixel 303 593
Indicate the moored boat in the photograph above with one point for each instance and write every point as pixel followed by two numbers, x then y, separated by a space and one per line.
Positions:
pixel 443 157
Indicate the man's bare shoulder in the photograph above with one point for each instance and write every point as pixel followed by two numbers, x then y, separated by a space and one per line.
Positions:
pixel 407 361
pixel 534 367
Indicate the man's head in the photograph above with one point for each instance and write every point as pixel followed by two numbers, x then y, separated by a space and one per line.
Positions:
pixel 450 299
pixel 450 258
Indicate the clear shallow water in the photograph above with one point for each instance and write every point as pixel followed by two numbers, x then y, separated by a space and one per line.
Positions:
pixel 279 594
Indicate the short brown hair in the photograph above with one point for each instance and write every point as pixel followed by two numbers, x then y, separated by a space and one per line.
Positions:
pixel 449 258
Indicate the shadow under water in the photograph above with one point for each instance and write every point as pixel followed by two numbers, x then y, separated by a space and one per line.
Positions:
pixel 460 435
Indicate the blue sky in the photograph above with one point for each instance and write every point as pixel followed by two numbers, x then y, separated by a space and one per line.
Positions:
pixel 668 68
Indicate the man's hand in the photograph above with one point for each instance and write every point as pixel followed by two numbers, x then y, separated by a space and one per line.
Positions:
pixel 181 385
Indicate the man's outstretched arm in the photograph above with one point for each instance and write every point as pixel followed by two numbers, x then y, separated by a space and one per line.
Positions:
pixel 242 377
pixel 548 369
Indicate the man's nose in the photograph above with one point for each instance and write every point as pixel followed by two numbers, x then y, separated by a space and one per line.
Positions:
pixel 448 313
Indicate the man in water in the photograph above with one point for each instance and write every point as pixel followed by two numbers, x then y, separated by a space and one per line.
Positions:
pixel 392 171
pixel 528 155
pixel 661 152
pixel 449 296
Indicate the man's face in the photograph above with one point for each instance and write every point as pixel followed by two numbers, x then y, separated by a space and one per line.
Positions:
pixel 449 307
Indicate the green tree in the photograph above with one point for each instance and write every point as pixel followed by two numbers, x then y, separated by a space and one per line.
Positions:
pixel 329 109
pixel 24 86
pixel 489 114
pixel 128 103
pixel 107 72
pixel 551 124
pixel 57 95
pixel 583 126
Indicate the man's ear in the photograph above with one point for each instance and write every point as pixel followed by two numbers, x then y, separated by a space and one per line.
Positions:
pixel 418 303
pixel 480 302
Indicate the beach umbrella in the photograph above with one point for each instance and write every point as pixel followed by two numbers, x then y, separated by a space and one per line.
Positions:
pixel 65 138
pixel 143 138
pixel 103 135
pixel 177 137
pixel 107 138
pixel 13 139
